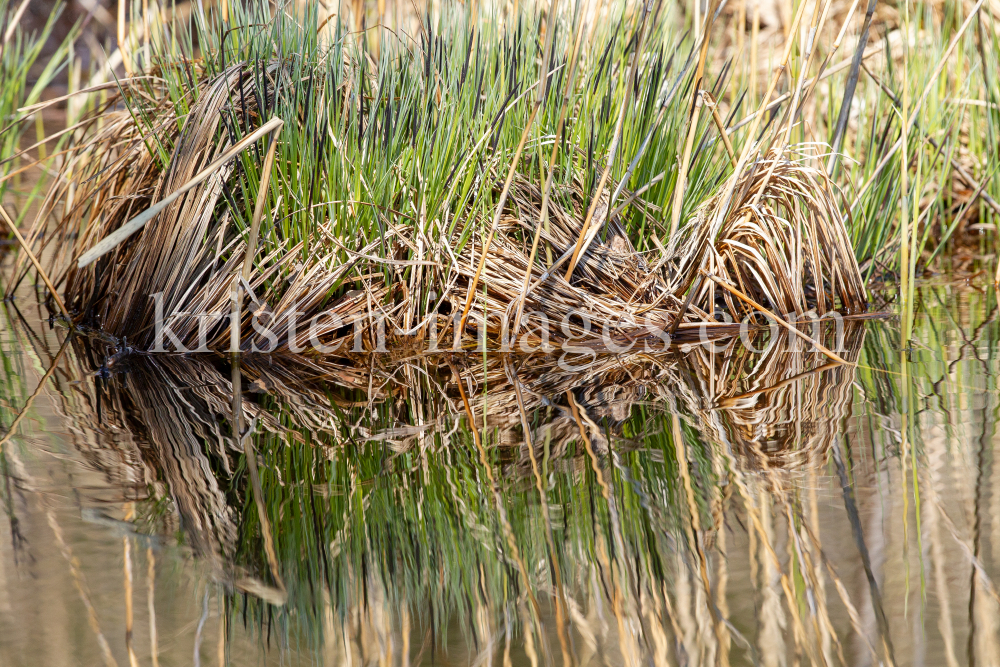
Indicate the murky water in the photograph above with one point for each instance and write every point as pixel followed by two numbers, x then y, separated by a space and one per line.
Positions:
pixel 731 509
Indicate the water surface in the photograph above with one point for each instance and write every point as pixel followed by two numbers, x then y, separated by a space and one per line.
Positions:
pixel 730 508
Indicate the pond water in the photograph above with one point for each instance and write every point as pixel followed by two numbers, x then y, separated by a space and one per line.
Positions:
pixel 729 509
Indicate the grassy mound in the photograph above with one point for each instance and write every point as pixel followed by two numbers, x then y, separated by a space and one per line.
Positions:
pixel 439 183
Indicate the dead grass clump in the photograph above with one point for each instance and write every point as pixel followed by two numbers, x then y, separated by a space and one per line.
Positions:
pixel 782 239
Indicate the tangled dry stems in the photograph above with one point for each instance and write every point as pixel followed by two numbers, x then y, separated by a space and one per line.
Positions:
pixel 782 241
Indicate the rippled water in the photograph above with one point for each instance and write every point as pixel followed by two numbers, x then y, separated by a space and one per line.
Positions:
pixel 730 509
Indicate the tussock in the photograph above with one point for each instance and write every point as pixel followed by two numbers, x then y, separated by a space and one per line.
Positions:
pixel 781 238
pixel 376 236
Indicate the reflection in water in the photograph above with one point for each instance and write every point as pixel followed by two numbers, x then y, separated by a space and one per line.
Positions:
pixel 701 509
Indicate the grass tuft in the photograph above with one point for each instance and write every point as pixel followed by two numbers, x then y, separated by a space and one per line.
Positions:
pixel 395 166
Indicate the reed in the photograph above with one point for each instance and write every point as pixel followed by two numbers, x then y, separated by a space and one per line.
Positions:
pixel 22 84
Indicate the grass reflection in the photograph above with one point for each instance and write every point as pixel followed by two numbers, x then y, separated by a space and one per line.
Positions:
pixel 728 508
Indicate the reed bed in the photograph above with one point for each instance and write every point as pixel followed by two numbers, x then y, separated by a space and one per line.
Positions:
pixel 471 160
pixel 476 169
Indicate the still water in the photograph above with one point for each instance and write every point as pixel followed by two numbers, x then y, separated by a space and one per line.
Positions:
pixel 726 509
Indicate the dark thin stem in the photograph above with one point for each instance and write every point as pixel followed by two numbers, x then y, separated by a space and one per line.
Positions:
pixel 852 83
